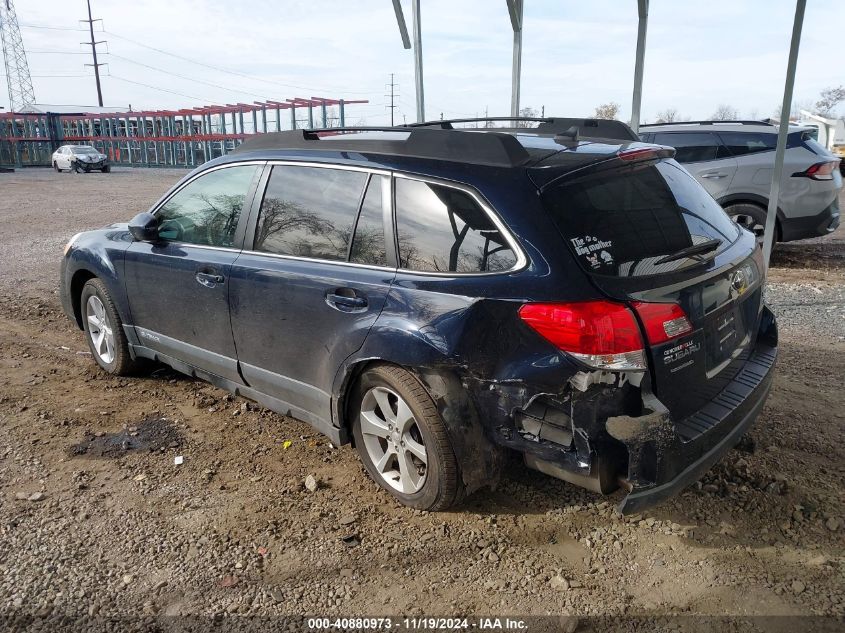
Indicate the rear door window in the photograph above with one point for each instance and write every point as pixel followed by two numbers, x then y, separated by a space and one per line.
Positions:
pixel 368 246
pixel 692 147
pixel 621 223
pixel 444 229
pixel 741 143
pixel 309 212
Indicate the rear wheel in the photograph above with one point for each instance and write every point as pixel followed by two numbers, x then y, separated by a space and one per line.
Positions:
pixel 748 216
pixel 56 167
pixel 104 330
pixel 402 441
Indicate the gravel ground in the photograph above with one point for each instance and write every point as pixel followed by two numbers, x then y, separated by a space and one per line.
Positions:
pixel 96 520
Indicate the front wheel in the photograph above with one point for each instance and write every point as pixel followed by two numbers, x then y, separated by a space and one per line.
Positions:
pixel 106 169
pixel 402 440
pixel 104 330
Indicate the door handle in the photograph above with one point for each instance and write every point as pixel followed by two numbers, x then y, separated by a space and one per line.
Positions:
pixel 713 175
pixel 209 280
pixel 346 300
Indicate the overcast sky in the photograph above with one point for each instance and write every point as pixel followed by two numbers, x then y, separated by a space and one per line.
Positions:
pixel 576 54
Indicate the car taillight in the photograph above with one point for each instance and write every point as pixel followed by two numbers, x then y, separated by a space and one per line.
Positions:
pixel 820 171
pixel 601 334
pixel 662 321
pixel 605 334
pixel 645 153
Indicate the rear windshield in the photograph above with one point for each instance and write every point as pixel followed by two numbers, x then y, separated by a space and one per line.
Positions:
pixel 623 222
pixel 810 142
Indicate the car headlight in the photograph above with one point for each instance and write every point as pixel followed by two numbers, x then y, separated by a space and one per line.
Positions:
pixel 70 243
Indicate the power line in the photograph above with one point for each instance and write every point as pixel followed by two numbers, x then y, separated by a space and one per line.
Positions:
pixel 31 52
pixel 231 72
pixel 204 64
pixel 185 77
pixel 173 92
pixel 51 28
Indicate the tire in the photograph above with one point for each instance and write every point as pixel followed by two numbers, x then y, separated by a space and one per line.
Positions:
pixel 439 485
pixel 56 167
pixel 748 216
pixel 106 169
pixel 112 351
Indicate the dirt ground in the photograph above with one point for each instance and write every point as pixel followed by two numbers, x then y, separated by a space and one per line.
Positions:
pixel 97 521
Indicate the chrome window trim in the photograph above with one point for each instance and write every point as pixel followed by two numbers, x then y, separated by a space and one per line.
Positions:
pixel 317 260
pixel 163 201
pixel 521 259
pixel 305 163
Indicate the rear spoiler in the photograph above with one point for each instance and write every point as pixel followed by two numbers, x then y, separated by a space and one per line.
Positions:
pixel 627 155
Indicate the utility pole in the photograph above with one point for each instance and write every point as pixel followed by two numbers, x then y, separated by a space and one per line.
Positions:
pixel 392 96
pixel 93 45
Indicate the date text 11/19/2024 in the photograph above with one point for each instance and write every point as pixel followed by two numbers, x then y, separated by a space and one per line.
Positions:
pixel 417 624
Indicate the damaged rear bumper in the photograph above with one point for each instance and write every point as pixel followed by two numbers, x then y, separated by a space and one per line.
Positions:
pixel 729 430
pixel 651 454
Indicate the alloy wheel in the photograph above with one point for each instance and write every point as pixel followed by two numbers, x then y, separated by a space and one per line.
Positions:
pixel 393 440
pixel 747 221
pixel 100 329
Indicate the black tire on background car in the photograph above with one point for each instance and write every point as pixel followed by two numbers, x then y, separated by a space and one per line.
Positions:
pixel 402 441
pixel 748 216
pixel 104 330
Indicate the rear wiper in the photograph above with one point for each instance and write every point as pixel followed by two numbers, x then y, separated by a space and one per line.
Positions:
pixel 696 251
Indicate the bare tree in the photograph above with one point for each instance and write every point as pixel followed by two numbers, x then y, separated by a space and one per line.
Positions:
pixel 527 113
pixel 725 112
pixel 830 98
pixel 669 115
pixel 607 110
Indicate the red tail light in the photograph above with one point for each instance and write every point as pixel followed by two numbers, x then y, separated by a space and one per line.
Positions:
pixel 820 171
pixel 652 152
pixel 663 321
pixel 601 334
pixel 605 334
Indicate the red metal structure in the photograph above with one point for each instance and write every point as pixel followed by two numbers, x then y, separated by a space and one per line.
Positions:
pixel 160 138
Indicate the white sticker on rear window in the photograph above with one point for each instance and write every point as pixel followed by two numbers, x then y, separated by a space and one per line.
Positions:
pixel 593 250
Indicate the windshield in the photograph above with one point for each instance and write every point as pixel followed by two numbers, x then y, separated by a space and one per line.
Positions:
pixel 622 223
pixel 84 150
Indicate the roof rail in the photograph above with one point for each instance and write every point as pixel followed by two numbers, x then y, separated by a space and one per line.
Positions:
pixel 732 122
pixel 447 124
pixel 495 149
pixel 591 128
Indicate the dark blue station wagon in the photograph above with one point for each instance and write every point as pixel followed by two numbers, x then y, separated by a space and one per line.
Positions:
pixel 443 297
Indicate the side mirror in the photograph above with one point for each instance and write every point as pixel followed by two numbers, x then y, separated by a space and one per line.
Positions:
pixel 144 227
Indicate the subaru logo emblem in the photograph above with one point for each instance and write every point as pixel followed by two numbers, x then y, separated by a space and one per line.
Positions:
pixel 739 282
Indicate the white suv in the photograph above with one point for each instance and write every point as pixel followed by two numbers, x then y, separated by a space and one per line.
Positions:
pixel 734 161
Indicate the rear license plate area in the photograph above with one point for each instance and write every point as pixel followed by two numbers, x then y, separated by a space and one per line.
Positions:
pixel 724 334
